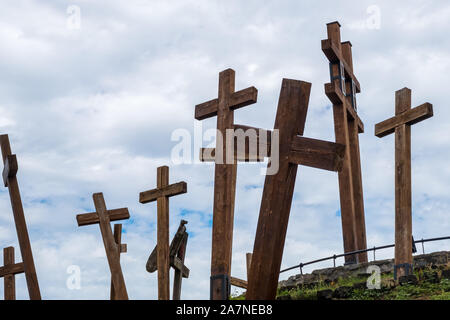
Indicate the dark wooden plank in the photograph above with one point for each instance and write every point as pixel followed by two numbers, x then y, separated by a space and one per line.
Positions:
pixel 409 117
pixel 277 194
pixel 10 169
pixel 317 153
pixel 206 110
pixel 90 218
pixel 403 216
pixel 335 95
pixel 163 236
pixel 121 249
pixel 9 279
pixel 238 283
pixel 12 269
pixel 168 191
pixel 243 98
pixel 249 263
pixel 21 226
pixel 112 251
pixel 224 194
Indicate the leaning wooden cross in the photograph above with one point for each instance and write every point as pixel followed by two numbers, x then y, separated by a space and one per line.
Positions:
pixel 278 190
pixel 103 217
pixel 8 272
pixel 161 194
pixel 347 125
pixel 10 181
pixel 122 248
pixel 177 253
pixel 401 125
pixel 225 177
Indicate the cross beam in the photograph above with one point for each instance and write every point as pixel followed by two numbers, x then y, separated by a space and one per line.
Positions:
pixel 342 92
pixel 8 272
pixel 122 248
pixel 304 151
pixel 161 194
pixel 10 180
pixel 279 189
pixel 224 178
pixel 102 218
pixel 401 125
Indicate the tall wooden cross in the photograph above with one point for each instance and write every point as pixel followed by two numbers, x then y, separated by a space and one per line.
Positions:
pixel 278 190
pixel 347 125
pixel 224 178
pixel 122 248
pixel 161 194
pixel 8 272
pixel 10 181
pixel 401 125
pixel 177 253
pixel 103 218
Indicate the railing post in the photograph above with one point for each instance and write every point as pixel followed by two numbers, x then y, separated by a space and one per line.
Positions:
pixel 374 249
pixel 334 261
pixel 423 247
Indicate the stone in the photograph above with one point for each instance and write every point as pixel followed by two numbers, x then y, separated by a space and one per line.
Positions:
pixel 343 292
pixel 325 294
pixel 360 286
pixel 446 274
pixel 408 280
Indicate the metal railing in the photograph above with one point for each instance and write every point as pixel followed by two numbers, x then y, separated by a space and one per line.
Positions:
pixel 334 257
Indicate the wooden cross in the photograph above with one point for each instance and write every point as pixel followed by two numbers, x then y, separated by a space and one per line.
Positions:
pixel 161 194
pixel 224 178
pixel 8 272
pixel 279 188
pixel 347 125
pixel 401 125
pixel 177 252
pixel 239 282
pixel 10 181
pixel 103 218
pixel 122 248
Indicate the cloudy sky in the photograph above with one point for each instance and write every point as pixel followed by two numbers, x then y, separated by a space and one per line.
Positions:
pixel 91 93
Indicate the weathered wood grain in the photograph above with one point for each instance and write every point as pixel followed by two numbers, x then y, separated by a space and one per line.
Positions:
pixel 90 218
pixel 21 226
pixel 168 191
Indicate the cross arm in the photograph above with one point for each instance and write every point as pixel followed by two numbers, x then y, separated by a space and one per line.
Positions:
pixel 10 168
pixel 169 191
pixel 336 97
pixel 238 282
pixel 92 217
pixel 12 269
pixel 177 264
pixel 409 117
pixel 334 55
pixel 317 153
pixel 238 100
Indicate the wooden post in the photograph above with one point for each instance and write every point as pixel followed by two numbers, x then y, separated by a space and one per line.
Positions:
pixel 161 194
pixel 103 217
pixel 10 181
pixel 224 179
pixel 122 247
pixel 178 275
pixel 347 124
pixel 279 188
pixel 239 282
pixel 401 125
pixel 8 272
pixel 177 253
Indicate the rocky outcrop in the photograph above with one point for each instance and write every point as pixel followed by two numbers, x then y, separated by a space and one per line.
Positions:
pixel 433 260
